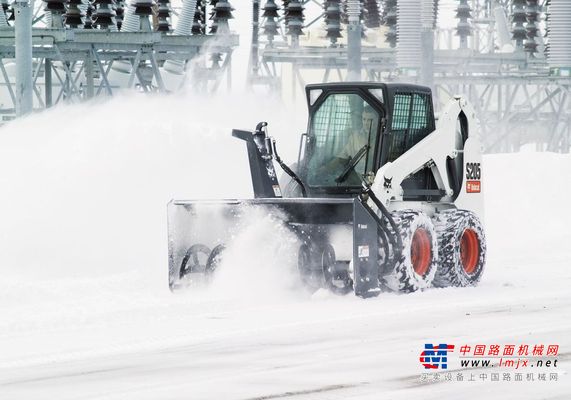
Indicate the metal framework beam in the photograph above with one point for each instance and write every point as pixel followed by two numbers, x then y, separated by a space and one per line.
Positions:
pixel 81 62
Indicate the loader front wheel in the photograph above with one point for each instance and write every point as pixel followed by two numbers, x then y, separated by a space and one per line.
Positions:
pixel 462 245
pixel 416 266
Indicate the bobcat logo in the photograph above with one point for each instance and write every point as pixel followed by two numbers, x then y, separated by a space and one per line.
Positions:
pixel 388 183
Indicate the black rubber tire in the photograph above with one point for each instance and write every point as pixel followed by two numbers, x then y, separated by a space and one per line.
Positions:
pixel 450 227
pixel 403 277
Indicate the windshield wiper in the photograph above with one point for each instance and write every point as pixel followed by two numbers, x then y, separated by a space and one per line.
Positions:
pixel 352 163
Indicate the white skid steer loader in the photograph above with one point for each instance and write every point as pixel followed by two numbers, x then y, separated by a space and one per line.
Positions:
pixel 373 165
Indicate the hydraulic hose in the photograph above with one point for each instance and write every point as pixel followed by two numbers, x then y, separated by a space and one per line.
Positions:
pixel 399 248
pixel 287 169
pixel 386 235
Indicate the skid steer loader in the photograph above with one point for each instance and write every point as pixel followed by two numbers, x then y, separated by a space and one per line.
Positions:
pixel 401 190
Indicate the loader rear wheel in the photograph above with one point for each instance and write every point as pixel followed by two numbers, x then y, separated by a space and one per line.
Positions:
pixel 462 245
pixel 416 266
pixel 194 260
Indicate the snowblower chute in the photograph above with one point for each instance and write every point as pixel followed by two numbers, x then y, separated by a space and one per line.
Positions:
pixel 379 198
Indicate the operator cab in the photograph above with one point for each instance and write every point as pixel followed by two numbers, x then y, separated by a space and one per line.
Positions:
pixel 355 128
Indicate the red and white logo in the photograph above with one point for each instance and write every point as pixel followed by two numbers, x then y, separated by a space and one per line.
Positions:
pixel 473 186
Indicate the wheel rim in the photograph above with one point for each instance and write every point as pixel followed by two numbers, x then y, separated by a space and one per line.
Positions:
pixel 421 251
pixel 469 250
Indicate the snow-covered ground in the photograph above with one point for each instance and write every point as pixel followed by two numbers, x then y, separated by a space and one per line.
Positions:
pixel 85 311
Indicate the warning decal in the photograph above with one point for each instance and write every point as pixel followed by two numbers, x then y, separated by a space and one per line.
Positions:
pixel 363 251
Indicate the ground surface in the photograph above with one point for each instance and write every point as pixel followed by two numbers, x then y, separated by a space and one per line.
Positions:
pixel 85 312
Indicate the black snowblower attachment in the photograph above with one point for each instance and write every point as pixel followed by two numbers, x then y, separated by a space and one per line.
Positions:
pixel 339 237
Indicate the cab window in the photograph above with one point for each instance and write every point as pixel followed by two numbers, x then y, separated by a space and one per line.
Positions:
pixel 410 123
pixel 343 130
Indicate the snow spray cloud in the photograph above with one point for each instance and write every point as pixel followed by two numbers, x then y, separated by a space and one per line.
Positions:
pixel 261 259
pixel 85 186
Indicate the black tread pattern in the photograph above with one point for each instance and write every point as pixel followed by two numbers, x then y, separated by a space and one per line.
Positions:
pixel 403 278
pixel 450 226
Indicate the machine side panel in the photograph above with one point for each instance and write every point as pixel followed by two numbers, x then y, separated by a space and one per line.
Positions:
pixel 365 252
